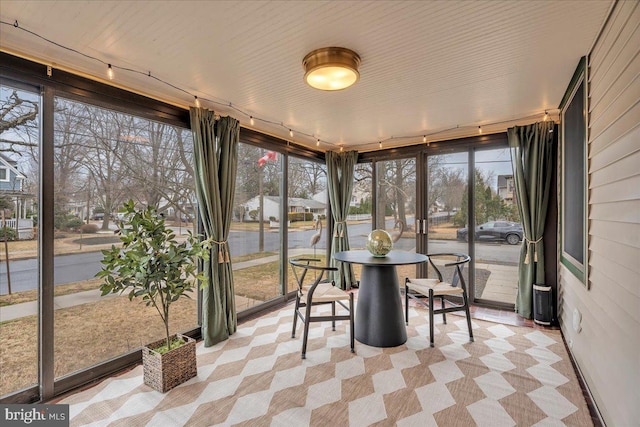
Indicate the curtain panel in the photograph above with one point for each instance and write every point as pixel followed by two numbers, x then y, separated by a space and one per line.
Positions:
pixel 215 164
pixel 340 186
pixel 532 161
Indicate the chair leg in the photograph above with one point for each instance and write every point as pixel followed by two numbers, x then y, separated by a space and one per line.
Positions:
pixel 306 329
pixel 431 317
pixel 295 316
pixel 353 329
pixel 466 309
pixel 406 304
pixel 333 314
pixel 444 315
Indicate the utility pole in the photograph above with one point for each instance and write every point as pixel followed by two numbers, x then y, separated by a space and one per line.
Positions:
pixel 260 212
pixel 6 251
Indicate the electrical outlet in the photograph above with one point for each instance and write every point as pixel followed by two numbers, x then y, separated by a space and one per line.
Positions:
pixel 577 320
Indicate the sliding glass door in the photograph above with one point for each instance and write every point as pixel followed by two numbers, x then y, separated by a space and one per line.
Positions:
pixel 498 231
pixel 483 222
pixel 446 205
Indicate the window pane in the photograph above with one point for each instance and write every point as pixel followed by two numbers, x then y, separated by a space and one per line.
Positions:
pixel 396 206
pixel 254 245
pixel 498 233
pixel 447 216
pixel 19 189
pixel 307 211
pixel 102 158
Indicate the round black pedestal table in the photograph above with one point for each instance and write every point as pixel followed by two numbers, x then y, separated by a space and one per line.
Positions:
pixel 379 319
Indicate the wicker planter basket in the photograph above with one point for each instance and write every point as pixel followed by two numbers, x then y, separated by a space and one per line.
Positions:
pixel 162 372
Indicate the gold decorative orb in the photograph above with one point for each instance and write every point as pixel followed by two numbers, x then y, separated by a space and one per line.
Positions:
pixel 379 243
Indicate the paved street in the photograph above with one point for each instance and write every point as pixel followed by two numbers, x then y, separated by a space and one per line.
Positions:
pixel 84 266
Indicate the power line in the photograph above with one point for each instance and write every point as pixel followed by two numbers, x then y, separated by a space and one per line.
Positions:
pixel 227 104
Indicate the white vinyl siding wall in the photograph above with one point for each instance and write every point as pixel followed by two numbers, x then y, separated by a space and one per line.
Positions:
pixel 607 350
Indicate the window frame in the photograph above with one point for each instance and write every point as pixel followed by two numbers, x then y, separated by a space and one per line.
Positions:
pixel 576 267
pixel 7 175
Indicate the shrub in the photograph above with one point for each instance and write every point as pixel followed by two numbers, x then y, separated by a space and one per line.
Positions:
pixel 9 232
pixel 89 228
pixel 253 214
pixel 74 223
pixel 300 216
pixel 272 218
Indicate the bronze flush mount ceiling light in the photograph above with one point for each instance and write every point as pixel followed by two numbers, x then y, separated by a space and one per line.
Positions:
pixel 331 68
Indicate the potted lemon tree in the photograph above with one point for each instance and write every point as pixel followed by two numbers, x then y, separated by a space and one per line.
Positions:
pixel 153 265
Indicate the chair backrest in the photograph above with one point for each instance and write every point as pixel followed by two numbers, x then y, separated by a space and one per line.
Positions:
pixel 301 266
pixel 459 263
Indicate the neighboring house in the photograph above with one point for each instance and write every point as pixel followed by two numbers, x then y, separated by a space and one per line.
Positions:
pixel 12 188
pixel 356 197
pixel 506 188
pixel 11 180
pixel 272 207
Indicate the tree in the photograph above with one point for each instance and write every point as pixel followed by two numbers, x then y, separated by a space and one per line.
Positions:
pixel 106 145
pixel 18 120
pixel 396 189
pixel 489 206
pixel 306 178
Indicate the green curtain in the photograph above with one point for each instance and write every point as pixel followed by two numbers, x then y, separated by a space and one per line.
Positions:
pixel 215 153
pixel 340 186
pixel 532 159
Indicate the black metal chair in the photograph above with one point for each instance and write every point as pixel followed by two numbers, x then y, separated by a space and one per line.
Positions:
pixel 421 289
pixel 318 292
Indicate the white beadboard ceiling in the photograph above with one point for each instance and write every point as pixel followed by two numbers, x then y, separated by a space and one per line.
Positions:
pixel 427 66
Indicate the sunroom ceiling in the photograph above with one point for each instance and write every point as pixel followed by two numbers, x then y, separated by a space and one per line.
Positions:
pixel 439 69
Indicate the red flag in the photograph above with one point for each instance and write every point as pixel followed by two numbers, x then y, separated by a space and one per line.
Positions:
pixel 271 155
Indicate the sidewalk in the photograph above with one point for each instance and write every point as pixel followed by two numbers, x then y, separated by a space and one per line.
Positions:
pixel 16 311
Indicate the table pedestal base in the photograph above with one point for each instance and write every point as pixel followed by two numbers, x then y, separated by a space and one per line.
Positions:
pixel 379 318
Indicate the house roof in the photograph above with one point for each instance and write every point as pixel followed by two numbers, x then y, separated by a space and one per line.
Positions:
pixel 11 165
pixel 298 202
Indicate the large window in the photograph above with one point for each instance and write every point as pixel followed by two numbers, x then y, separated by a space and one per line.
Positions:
pixel 19 153
pixel 307 212
pixel 447 207
pixel 254 239
pixel 102 158
pixel 396 206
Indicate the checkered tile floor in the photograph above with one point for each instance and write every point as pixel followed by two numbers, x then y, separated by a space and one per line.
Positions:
pixel 509 376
